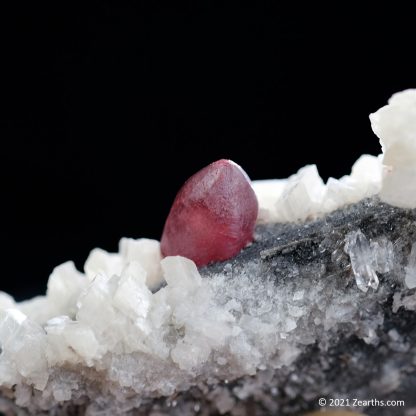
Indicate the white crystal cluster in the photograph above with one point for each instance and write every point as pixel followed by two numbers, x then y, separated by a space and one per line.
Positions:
pixel 305 196
pixel 108 325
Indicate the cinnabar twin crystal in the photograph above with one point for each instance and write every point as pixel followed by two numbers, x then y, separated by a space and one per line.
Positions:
pixel 213 215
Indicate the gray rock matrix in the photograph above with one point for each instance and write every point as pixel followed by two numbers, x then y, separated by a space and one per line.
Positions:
pixel 349 341
pixel 343 365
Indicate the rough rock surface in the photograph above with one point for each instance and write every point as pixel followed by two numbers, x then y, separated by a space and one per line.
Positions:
pixel 308 330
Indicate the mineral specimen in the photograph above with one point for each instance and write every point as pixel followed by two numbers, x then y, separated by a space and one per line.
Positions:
pixel 321 305
pixel 213 216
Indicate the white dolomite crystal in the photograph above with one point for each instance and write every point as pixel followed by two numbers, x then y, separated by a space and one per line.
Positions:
pixel 23 356
pixel 144 251
pixel 395 125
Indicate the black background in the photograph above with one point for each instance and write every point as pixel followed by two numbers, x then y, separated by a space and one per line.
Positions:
pixel 107 109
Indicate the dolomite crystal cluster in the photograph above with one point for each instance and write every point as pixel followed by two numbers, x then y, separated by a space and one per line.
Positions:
pixel 392 174
pixel 321 304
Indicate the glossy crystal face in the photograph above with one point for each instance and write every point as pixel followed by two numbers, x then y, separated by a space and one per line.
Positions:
pixel 213 216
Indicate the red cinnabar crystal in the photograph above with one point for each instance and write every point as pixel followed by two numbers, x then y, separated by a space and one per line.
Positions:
pixel 213 215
